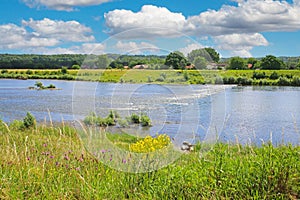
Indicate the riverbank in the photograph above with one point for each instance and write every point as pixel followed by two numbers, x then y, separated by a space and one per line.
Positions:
pixel 238 77
pixel 47 162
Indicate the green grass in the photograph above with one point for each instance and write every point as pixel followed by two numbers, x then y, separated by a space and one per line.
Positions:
pixel 48 162
pixel 241 77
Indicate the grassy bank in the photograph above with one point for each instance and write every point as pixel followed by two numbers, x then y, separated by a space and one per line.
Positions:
pixel 48 162
pixel 241 77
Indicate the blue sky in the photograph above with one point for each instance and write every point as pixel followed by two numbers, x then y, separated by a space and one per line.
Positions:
pixel 233 27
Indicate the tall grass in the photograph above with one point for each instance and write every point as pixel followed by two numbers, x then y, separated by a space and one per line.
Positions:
pixel 46 162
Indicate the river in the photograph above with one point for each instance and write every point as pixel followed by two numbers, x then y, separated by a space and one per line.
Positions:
pixel 185 112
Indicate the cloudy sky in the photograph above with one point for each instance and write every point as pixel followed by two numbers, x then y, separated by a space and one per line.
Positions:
pixel 233 27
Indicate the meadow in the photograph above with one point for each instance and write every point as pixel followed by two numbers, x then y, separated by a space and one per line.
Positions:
pixel 239 77
pixel 48 161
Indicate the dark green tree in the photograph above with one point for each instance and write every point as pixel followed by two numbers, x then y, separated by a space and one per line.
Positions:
pixel 199 53
pixel 253 62
pixel 215 56
pixel 29 120
pixel 176 60
pixel 200 62
pixel 102 61
pixel 236 63
pixel 271 62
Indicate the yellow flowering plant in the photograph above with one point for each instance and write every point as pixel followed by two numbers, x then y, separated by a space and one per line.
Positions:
pixel 150 144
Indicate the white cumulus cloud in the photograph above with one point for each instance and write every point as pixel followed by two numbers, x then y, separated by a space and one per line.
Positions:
pixel 61 30
pixel 150 21
pixel 42 33
pixel 236 28
pixel 241 43
pixel 67 5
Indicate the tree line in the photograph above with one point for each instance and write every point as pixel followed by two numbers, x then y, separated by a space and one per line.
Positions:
pixel 196 59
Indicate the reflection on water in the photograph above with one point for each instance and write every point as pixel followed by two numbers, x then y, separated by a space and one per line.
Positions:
pixel 247 114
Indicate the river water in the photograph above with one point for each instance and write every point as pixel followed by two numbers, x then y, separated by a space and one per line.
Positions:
pixel 185 112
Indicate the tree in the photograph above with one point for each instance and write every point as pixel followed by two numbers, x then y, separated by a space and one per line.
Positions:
pixel 236 63
pixel 209 54
pixel 29 120
pixel 176 60
pixel 253 62
pixel 102 61
pixel 199 53
pixel 271 62
pixel 200 62
pixel 215 56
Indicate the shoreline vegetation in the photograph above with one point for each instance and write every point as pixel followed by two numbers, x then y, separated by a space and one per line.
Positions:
pixel 40 86
pixel 235 77
pixel 51 162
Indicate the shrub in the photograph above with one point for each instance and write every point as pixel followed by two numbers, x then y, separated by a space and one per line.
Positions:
pixel 145 120
pixel 135 118
pixel 160 79
pixel 39 85
pixel 163 75
pixel 51 86
pixel 283 81
pixel 4 71
pixel 90 119
pixel 29 120
pixel 244 81
pixel 218 80
pixel 113 114
pixel 295 81
pixel 64 70
pixel 186 76
pixel 149 79
pixel 123 123
pixel 259 75
pixel 75 67
pixel 109 121
pixel 29 72
pixel 274 76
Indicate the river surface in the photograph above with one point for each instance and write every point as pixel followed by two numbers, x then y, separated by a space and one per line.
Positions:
pixel 187 113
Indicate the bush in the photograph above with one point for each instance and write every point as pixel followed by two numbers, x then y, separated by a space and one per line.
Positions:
pixel 29 72
pixel 145 120
pixel 4 71
pixel 283 81
pixel 258 75
pixel 274 76
pixel 135 118
pixel 219 80
pixel 75 67
pixel 123 123
pixel 160 79
pixel 186 76
pixel 295 81
pixel 51 86
pixel 29 121
pixel 90 119
pixel 113 114
pixel 64 70
pixel 244 81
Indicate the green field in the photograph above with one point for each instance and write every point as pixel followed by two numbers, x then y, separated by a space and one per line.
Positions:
pixel 237 77
pixel 50 162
